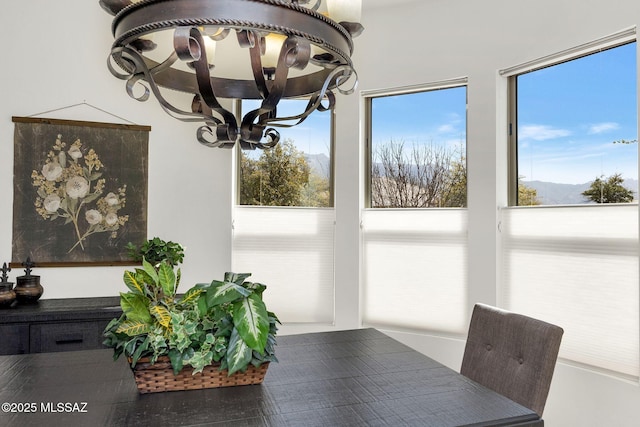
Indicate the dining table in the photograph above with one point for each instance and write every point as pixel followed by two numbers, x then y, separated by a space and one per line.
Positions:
pixel 359 377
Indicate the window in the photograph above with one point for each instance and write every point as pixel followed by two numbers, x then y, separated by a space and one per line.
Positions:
pixel 577 265
pixel 415 250
pixel 576 130
pixel 298 171
pixel 283 224
pixel 417 152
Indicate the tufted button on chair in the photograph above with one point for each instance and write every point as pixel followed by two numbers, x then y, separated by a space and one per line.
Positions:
pixel 512 354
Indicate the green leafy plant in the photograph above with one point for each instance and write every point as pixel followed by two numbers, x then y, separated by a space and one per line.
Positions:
pixel 223 322
pixel 156 250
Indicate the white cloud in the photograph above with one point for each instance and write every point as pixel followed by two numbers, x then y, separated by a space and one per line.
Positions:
pixel 448 128
pixel 573 158
pixel 450 125
pixel 602 127
pixel 541 132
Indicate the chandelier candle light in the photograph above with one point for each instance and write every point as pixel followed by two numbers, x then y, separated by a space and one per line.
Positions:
pixel 288 49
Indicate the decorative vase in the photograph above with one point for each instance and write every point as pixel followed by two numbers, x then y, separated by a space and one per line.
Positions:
pixel 28 290
pixel 159 377
pixel 7 294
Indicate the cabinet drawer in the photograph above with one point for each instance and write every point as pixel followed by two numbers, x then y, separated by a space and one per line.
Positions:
pixel 52 337
pixel 15 338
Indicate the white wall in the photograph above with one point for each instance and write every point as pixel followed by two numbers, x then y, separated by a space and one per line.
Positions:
pixel 443 39
pixel 54 56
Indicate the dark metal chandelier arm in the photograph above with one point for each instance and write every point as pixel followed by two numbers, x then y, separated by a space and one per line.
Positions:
pixel 293 53
pixel 117 53
pixel 270 136
pixel 314 104
pixel 137 79
pixel 255 54
pixel 205 133
pixel 205 130
pixel 140 73
pixel 269 117
pixel 189 45
pixel 167 63
pixel 343 77
pixel 341 74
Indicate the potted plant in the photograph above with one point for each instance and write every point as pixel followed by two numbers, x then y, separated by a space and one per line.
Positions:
pixel 219 333
pixel 156 250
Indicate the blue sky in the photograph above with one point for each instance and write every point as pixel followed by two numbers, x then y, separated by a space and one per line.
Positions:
pixel 434 117
pixel 568 117
pixel 570 114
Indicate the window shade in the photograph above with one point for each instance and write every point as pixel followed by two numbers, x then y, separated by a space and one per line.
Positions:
pixel 577 267
pixel 415 269
pixel 291 251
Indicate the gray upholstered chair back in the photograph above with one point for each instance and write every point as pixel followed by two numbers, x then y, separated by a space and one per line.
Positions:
pixel 512 354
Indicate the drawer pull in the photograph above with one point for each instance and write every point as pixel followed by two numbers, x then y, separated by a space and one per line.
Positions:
pixel 70 339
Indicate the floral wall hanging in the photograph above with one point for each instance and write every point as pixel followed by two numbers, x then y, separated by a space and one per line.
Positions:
pixel 80 191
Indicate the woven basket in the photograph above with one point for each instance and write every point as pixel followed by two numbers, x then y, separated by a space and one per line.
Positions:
pixel 157 377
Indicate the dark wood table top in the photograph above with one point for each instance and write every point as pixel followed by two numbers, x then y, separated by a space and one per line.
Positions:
pixel 346 378
pixel 64 309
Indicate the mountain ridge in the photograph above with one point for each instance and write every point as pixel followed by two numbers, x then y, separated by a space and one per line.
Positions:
pixel 554 193
pixel 549 193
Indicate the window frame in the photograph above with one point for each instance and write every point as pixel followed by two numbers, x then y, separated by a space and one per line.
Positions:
pixel 612 41
pixel 368 97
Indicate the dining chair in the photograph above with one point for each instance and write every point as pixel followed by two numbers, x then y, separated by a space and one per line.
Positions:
pixel 512 354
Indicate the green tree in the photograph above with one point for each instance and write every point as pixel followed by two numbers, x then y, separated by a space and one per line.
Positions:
pixel 250 181
pixel 277 178
pixel 316 192
pixel 455 192
pixel 527 196
pixel 610 190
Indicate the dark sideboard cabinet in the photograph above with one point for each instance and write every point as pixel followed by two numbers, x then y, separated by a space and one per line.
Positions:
pixel 53 325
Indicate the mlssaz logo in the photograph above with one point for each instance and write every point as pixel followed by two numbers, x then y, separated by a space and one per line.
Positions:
pixel 66 407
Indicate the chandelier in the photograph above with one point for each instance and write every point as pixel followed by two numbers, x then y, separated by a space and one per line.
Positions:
pixel 283 49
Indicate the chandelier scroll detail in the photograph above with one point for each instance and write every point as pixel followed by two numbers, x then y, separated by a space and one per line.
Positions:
pixel 265 50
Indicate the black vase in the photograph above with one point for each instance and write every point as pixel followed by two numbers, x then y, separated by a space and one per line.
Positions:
pixel 28 290
pixel 7 294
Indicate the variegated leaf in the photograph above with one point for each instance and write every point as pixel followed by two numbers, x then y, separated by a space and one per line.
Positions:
pixel 257 288
pixel 167 279
pixel 132 283
pixel 135 307
pixel 150 270
pixel 236 278
pixel 238 353
pixel 133 328
pixel 252 321
pixel 143 278
pixel 222 292
pixel 161 314
pixel 191 295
